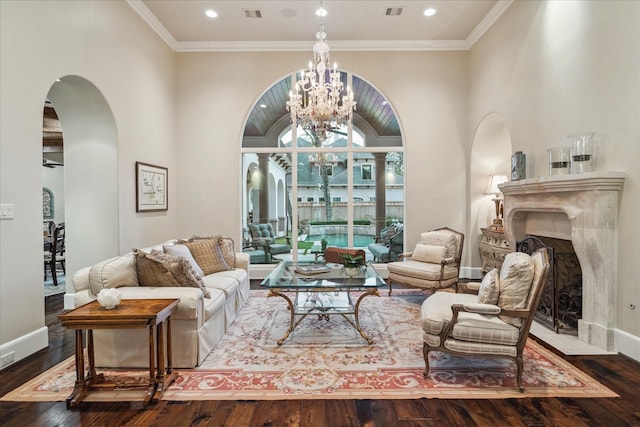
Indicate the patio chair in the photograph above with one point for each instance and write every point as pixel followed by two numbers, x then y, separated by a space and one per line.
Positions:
pixel 263 236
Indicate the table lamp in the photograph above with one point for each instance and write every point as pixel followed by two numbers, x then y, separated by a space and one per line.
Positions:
pixel 495 191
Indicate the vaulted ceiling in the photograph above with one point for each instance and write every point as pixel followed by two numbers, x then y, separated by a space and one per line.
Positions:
pixel 274 25
pixel 290 25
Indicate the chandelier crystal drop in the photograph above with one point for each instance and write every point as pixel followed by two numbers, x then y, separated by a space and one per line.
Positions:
pixel 318 103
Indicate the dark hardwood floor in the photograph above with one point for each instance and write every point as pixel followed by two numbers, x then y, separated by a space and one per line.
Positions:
pixel 619 373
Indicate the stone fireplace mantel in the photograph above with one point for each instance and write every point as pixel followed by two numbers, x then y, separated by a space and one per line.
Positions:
pixel 584 209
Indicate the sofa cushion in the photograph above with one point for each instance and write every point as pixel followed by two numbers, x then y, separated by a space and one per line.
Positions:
pixel 207 253
pixel 516 276
pixel 183 251
pixel 429 253
pixel 161 269
pixel 489 288
pixel 113 273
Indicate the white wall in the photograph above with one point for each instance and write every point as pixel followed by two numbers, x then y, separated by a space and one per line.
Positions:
pixel 553 68
pixel 217 90
pixel 106 43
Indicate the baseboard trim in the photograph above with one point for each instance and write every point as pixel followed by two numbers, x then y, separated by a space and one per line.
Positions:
pixel 25 345
pixel 627 344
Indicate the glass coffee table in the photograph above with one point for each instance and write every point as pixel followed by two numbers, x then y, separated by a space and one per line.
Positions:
pixel 323 292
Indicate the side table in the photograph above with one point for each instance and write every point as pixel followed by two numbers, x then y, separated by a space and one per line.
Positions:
pixel 151 314
pixel 493 248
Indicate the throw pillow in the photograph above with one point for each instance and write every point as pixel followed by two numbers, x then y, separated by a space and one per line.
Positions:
pixel 207 253
pixel 160 269
pixel 429 253
pixel 153 271
pixel 228 251
pixel 516 276
pixel 489 288
pixel 183 251
pixel 440 238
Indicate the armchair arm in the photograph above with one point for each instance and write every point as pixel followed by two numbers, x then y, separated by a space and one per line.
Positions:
pixel 448 261
pixel 481 308
pixel 473 286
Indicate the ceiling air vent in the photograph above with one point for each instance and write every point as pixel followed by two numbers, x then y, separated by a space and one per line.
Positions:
pixel 257 13
pixel 393 11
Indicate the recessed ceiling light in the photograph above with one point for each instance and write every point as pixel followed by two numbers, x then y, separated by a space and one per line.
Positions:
pixel 211 13
pixel 321 12
pixel 263 105
pixel 430 12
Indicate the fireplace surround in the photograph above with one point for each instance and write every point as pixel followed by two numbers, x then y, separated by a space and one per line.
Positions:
pixel 582 208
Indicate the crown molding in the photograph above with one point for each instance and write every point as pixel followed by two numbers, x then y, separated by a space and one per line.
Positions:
pixel 336 45
pixel 487 22
pixel 150 18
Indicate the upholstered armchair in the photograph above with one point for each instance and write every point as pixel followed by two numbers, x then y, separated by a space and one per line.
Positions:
pixel 434 263
pixel 492 324
pixel 263 236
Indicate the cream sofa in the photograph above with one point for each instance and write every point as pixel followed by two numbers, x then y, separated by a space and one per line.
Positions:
pixel 197 324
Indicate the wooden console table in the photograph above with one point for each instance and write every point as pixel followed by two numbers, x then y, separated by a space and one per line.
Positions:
pixel 151 314
pixel 493 248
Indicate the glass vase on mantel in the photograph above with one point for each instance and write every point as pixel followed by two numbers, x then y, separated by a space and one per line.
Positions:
pixel 559 161
pixel 582 152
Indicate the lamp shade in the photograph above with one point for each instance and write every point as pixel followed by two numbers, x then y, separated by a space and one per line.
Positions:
pixel 494 182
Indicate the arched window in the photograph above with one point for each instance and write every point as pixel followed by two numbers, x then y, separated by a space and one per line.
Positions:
pixel 344 190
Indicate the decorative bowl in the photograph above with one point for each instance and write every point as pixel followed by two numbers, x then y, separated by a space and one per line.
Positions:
pixel 109 298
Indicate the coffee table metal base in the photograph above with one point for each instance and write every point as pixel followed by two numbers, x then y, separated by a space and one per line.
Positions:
pixel 323 312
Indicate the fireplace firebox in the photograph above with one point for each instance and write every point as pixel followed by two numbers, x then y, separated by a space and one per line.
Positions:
pixel 560 306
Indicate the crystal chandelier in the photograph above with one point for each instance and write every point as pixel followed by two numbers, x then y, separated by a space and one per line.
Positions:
pixel 318 104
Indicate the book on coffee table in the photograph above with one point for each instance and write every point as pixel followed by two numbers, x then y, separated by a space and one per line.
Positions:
pixel 312 269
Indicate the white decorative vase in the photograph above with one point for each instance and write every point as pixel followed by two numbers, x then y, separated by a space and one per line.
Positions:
pixel 109 298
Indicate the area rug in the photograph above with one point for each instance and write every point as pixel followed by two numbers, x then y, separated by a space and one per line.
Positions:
pixel 50 289
pixel 328 359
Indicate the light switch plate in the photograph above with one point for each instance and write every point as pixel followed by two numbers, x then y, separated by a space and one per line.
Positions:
pixel 6 211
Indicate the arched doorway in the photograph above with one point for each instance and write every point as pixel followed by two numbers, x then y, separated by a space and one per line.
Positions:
pixel 490 155
pixel 90 175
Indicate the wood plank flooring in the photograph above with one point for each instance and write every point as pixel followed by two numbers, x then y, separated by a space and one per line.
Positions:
pixel 618 372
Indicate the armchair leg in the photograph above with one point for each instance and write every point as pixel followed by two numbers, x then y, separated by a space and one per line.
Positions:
pixel 519 364
pixel 389 284
pixel 425 354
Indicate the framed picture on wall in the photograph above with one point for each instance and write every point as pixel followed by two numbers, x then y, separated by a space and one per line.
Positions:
pixel 47 203
pixel 151 188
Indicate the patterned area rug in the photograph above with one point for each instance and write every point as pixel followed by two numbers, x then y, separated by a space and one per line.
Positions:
pixel 49 289
pixel 328 359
